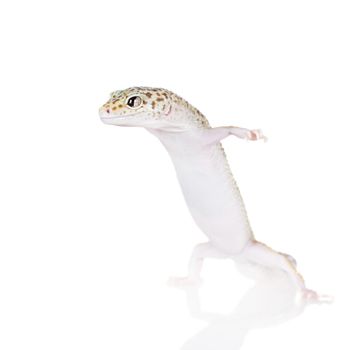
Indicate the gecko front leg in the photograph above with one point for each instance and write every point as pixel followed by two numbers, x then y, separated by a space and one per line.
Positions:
pixel 199 254
pixel 214 135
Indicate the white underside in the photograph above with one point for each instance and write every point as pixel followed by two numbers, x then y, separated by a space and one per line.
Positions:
pixel 210 192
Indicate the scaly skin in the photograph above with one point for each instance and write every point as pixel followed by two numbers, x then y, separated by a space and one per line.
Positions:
pixel 208 186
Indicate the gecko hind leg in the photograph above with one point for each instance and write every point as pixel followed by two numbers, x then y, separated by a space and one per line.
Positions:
pixel 259 253
pixel 200 252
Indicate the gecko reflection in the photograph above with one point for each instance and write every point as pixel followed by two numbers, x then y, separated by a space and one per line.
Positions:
pixel 271 301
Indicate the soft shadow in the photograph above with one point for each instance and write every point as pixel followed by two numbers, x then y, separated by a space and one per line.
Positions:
pixel 271 301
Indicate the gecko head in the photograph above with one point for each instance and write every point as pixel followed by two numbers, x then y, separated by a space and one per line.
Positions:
pixel 152 108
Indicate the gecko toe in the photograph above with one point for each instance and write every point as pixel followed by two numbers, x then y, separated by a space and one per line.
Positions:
pixel 313 297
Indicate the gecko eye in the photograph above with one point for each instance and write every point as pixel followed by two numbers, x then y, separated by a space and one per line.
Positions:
pixel 134 101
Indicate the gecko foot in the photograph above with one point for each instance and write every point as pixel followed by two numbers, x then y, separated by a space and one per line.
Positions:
pixel 179 282
pixel 314 298
pixel 256 134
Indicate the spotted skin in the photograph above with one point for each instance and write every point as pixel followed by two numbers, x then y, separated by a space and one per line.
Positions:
pixel 156 102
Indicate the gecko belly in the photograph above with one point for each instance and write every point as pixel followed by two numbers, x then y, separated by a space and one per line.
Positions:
pixel 213 198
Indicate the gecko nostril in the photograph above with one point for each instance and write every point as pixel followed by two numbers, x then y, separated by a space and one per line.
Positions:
pixel 107 110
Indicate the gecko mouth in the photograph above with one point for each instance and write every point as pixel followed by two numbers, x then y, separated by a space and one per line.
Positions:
pixel 124 120
pixel 118 120
pixel 106 118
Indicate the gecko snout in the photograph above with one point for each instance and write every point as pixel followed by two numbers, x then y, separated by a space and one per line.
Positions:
pixel 104 111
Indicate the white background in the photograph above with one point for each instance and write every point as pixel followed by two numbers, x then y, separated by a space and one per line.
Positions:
pixel 92 219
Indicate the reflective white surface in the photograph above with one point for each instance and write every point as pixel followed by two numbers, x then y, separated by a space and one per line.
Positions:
pixel 271 301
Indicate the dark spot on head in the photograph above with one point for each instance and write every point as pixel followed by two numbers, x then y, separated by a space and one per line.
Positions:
pixel 159 99
pixel 120 106
pixel 148 94
pixel 114 108
pixel 153 104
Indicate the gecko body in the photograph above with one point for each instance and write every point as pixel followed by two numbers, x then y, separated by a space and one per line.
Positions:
pixel 207 183
pixel 209 189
